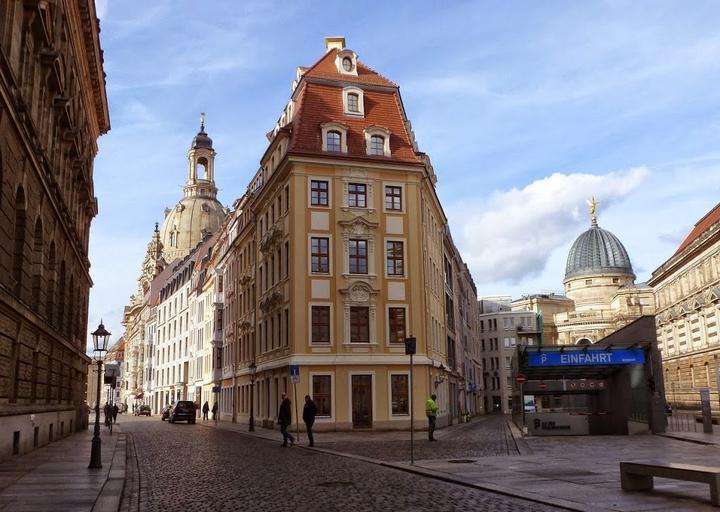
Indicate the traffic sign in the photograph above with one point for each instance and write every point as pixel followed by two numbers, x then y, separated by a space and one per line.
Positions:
pixel 410 346
pixel 520 379
pixel 295 373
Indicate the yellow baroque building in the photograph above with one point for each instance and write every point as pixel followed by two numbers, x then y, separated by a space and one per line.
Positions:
pixel 338 251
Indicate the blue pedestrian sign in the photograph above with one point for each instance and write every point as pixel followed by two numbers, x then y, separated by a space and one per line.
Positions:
pixel 295 373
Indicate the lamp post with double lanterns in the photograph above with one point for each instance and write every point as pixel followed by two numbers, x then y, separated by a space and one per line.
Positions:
pixel 252 368
pixel 100 339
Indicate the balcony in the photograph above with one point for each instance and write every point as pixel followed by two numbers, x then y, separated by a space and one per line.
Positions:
pixel 528 330
pixel 217 336
pixel 219 298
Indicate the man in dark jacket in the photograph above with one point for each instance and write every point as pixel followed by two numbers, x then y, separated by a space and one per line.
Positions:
pixel 205 410
pixel 115 411
pixel 309 412
pixel 214 411
pixel 285 420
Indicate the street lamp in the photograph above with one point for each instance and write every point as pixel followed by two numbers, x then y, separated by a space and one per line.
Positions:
pixel 100 340
pixel 252 367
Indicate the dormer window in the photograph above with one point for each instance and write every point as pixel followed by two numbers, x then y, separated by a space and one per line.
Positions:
pixel 346 62
pixel 353 104
pixel 332 142
pixel 377 141
pixel 377 145
pixel 334 137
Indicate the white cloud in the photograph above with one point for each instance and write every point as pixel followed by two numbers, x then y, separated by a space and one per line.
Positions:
pixel 515 231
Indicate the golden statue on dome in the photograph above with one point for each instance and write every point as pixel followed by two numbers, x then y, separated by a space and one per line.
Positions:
pixel 592 204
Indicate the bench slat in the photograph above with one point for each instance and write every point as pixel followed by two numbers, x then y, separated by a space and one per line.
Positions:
pixel 672 465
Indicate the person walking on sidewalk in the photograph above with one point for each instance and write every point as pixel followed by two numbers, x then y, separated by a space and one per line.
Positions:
pixel 285 420
pixel 107 413
pixel 214 411
pixel 205 410
pixel 431 410
pixel 309 412
pixel 115 413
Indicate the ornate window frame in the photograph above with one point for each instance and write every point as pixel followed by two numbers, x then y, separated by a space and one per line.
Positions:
pixel 377 130
pixel 338 127
pixel 361 101
pixel 343 54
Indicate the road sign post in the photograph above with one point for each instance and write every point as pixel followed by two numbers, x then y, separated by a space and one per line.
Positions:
pixel 410 349
pixel 520 379
pixel 295 379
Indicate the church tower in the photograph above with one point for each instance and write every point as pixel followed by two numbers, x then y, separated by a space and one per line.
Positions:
pixel 198 213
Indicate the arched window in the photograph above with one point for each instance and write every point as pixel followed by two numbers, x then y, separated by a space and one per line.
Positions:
pixel 50 295
pixel 37 265
pixel 333 141
pixel 19 248
pixel 584 341
pixel 377 145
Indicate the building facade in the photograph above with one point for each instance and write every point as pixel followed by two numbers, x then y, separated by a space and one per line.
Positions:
pixel 53 108
pixel 337 253
pixel 687 292
pixel 502 332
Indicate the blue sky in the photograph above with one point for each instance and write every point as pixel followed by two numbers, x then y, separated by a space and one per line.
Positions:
pixel 526 108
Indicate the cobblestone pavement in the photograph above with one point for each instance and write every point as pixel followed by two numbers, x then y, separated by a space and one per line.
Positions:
pixel 190 467
pixel 483 437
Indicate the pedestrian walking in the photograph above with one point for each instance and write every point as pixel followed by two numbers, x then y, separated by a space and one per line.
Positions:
pixel 309 412
pixel 115 411
pixel 107 413
pixel 285 420
pixel 214 411
pixel 431 410
pixel 205 410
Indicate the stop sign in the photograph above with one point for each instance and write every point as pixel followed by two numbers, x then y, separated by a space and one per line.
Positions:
pixel 520 379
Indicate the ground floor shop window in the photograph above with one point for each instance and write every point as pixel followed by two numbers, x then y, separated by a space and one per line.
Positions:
pixel 399 393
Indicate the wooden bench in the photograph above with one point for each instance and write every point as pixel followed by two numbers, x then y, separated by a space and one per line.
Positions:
pixel 638 476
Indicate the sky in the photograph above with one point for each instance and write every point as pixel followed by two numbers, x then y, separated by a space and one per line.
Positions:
pixel 527 110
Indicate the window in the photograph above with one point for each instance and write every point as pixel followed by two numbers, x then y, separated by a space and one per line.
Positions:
pixel 399 394
pixel 358 256
pixel 393 198
pixel 396 321
pixel 333 141
pixel 359 324
pixel 347 64
pixel 320 255
pixel 321 394
pixel 588 281
pixel 357 195
pixel 318 193
pixel 353 102
pixel 395 260
pixel 377 145
pixel 320 324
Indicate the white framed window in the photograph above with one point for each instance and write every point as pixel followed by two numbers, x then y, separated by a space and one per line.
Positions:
pixel 346 62
pixel 334 137
pixel 322 391
pixel 320 324
pixel 353 101
pixel 377 141
pixel 397 324
pixel 398 395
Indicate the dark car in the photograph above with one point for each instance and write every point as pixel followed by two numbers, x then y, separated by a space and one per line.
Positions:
pixel 165 412
pixel 142 410
pixel 183 410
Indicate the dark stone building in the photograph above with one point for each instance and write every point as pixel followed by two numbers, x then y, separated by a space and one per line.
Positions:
pixel 53 107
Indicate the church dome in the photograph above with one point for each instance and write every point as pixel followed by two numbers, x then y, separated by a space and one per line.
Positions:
pixel 597 251
pixel 187 223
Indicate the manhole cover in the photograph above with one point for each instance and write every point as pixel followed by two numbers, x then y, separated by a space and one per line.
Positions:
pixel 461 461
pixel 335 484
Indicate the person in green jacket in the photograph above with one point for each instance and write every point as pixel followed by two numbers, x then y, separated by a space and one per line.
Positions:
pixel 431 409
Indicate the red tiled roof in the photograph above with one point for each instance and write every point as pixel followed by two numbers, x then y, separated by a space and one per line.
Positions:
pixel 710 218
pixel 319 103
pixel 325 68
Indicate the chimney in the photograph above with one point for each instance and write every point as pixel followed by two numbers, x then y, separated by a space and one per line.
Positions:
pixel 334 42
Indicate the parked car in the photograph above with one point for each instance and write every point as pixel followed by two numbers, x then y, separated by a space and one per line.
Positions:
pixel 165 412
pixel 142 410
pixel 183 410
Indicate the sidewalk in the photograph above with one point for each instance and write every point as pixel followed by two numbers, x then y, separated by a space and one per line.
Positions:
pixel 56 477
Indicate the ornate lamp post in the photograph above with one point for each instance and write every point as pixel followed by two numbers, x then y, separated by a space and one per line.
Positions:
pixel 100 340
pixel 253 370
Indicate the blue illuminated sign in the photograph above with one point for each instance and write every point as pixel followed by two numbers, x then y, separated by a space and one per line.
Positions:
pixel 587 357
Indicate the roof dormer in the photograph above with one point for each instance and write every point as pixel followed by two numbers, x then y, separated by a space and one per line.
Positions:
pixel 346 62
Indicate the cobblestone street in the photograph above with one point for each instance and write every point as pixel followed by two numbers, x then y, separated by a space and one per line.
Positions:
pixel 189 467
